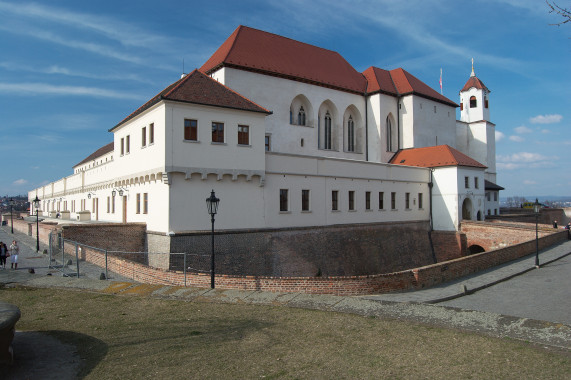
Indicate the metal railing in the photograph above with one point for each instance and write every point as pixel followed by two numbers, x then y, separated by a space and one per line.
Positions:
pixel 70 258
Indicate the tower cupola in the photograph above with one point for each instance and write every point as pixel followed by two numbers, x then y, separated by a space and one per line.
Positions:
pixel 474 100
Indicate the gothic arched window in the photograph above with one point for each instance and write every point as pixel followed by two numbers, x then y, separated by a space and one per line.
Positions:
pixel 301 116
pixel 350 134
pixel 389 135
pixel 327 130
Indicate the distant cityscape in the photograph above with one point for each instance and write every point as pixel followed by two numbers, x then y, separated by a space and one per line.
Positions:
pixel 546 201
pixel 20 203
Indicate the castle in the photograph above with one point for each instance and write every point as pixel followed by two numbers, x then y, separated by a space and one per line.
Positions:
pixel 288 135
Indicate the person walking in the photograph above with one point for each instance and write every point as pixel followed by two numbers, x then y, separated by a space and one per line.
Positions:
pixel 3 255
pixel 14 252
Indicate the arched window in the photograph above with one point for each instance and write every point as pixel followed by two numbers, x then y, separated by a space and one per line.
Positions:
pixel 389 135
pixel 350 134
pixel 301 116
pixel 473 102
pixel 327 128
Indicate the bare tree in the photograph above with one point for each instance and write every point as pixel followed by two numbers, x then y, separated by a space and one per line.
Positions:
pixel 563 12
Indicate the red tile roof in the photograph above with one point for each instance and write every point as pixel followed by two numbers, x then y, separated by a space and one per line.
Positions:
pixel 267 53
pixel 198 88
pixel 434 156
pixel 399 82
pixel 474 82
pixel 98 153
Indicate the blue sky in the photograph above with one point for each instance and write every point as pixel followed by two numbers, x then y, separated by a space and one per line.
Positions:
pixel 70 70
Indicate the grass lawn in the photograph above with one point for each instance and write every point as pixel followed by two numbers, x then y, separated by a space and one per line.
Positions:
pixel 134 337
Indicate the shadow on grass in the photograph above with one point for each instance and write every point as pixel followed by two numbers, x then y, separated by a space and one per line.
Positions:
pixel 54 354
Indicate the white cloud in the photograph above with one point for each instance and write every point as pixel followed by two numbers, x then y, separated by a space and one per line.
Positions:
pixel 20 182
pixel 545 131
pixel 524 160
pixel 529 182
pixel 517 138
pixel 43 88
pixel 522 129
pixel 546 119
pixel 499 136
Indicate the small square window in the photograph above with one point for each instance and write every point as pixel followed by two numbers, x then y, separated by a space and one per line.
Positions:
pixel 334 200
pixel 243 135
pixel 217 132
pixel 284 200
pixel 268 143
pixel 351 200
pixel 304 200
pixel 190 129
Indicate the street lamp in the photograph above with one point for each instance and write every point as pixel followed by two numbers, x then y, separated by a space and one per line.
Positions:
pixel 536 207
pixel 212 204
pixel 11 218
pixel 37 207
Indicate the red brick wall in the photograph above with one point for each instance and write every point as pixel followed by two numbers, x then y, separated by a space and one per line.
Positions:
pixel 494 235
pixel 29 228
pixel 448 245
pixel 115 237
pixel 340 285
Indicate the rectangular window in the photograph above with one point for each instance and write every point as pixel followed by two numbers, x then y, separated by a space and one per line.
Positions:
pixel 488 196
pixel 268 144
pixel 461 106
pixel 381 200
pixel 190 129
pixel 476 184
pixel 128 144
pixel 138 203
pixel 122 146
pixel 304 200
pixel 151 133
pixel 144 136
pixel 495 196
pixel 243 135
pixel 351 200
pixel 283 200
pixel 145 203
pixel 108 204
pixel 335 200
pixel 420 200
pixel 467 182
pixel 367 200
pixel 393 201
pixel 407 201
pixel 217 132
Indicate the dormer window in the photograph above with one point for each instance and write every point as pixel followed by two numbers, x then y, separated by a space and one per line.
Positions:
pixel 301 116
pixel 473 102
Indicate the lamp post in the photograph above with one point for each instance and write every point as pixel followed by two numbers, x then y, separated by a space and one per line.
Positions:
pixel 536 207
pixel 212 205
pixel 11 217
pixel 37 207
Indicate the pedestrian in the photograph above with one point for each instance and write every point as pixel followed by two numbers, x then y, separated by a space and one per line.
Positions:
pixel 555 224
pixel 3 255
pixel 14 252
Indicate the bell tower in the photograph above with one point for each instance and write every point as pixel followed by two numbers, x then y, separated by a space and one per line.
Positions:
pixel 474 100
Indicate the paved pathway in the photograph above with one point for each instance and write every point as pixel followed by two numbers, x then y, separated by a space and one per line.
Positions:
pixel 543 294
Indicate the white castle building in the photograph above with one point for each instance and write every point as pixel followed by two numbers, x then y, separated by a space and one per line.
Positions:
pixel 288 135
